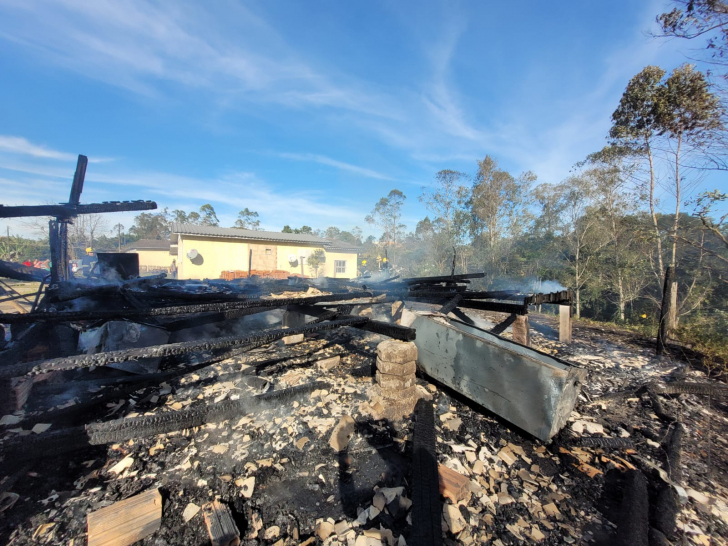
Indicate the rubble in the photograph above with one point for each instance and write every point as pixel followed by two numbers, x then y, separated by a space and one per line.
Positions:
pixel 294 441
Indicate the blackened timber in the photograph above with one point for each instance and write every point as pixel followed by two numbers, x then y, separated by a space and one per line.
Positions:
pixel 445 278
pixel 171 349
pixel 78 179
pixel 495 306
pixel 402 333
pixel 562 297
pixel 498 329
pixel 452 304
pixel 69 211
pixel 72 316
pixel 210 318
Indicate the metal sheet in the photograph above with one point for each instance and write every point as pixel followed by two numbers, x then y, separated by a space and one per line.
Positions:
pixel 534 391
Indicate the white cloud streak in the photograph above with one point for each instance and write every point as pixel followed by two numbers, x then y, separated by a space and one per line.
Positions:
pixel 324 160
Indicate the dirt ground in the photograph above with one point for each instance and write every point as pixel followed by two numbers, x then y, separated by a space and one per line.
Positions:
pixel 276 470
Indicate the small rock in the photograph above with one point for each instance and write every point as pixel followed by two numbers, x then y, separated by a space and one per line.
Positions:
pixel 40 427
pixel 247 486
pixel 190 511
pixel 271 532
pixel 379 501
pixel 478 467
pixel 324 529
pixel 302 442
pixel 453 518
pixel 342 527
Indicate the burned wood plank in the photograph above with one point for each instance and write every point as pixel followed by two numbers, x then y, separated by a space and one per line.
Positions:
pixel 126 522
pixel 426 506
pixel 78 179
pixel 498 329
pixel 69 211
pixel 452 304
pixel 220 524
pixel 565 323
pixel 171 349
pixel 494 306
pixel 73 316
pixel 445 278
pixel 564 297
pixel 532 390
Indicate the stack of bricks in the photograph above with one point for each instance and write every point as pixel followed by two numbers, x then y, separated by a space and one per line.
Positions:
pixel 395 376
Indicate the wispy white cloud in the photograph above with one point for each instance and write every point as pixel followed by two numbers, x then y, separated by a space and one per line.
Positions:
pixel 324 160
pixel 22 146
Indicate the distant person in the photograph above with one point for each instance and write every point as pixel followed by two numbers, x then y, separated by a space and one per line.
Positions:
pixel 173 269
pixel 27 263
pixel 88 261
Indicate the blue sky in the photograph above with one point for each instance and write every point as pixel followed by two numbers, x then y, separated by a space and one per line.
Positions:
pixel 307 112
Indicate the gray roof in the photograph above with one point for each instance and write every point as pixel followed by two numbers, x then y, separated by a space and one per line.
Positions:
pixel 266 236
pixel 147 244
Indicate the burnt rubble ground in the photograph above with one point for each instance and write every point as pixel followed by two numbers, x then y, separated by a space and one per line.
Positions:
pixel 286 485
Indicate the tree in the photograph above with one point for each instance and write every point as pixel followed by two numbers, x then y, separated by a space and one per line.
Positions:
pixel 447 201
pixel 316 258
pixel 499 211
pixel 183 217
pixel 247 219
pixel 149 225
pixel 700 18
pixel 208 216
pixel 386 215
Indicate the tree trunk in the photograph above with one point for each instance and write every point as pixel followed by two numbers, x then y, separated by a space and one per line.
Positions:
pixel 621 295
pixel 652 211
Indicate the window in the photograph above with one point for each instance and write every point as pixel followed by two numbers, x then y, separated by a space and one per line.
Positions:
pixel 269 251
pixel 339 266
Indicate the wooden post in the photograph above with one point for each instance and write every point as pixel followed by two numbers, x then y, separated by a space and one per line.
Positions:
pixel 521 331
pixel 250 261
pixel 663 329
pixel 565 323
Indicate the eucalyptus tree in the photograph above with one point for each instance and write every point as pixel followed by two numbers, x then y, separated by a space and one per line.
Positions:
pixel 387 215
pixel 247 219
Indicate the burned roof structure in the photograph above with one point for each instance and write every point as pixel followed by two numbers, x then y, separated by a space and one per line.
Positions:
pixel 335 411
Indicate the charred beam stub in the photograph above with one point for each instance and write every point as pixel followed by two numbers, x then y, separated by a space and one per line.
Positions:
pixel 70 210
pixel 452 304
pixel 172 349
pixel 73 316
pixel 426 506
pixel 441 279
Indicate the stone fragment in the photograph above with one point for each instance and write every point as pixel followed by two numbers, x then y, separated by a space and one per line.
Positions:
pixel 342 433
pixel 40 427
pixel 399 394
pixel 392 350
pixel 478 467
pixel 550 509
pixel 302 442
pixel 292 340
pixel 324 529
pixel 507 456
pixel 342 527
pixel 452 424
pixel 271 532
pixel 453 518
pixel 220 449
pixel 122 465
pixel 328 364
pixel 379 501
pixel 190 512
pixel 247 486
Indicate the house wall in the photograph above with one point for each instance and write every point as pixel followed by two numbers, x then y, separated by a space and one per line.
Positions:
pixel 265 257
pixel 215 256
pixel 350 266
pixel 153 258
pixel 218 255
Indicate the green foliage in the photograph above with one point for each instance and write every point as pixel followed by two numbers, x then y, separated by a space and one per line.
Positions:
pixel 247 219
pixel 387 215
pixel 315 260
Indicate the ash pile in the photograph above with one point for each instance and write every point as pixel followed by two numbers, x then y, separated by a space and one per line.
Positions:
pixel 407 411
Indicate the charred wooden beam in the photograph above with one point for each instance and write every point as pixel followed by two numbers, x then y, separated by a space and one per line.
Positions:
pixel 565 297
pixel 65 211
pixel 452 304
pixel 496 306
pixel 73 316
pixel 444 278
pixel 170 349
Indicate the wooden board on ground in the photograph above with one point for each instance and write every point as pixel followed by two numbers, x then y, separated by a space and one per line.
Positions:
pixel 220 524
pixel 126 522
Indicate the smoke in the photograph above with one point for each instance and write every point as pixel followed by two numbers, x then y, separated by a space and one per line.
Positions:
pixel 527 285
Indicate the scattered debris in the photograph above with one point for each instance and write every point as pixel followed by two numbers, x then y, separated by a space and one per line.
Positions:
pixel 220 524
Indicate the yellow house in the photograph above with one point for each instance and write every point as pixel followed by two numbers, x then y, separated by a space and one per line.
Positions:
pixel 153 254
pixel 205 252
